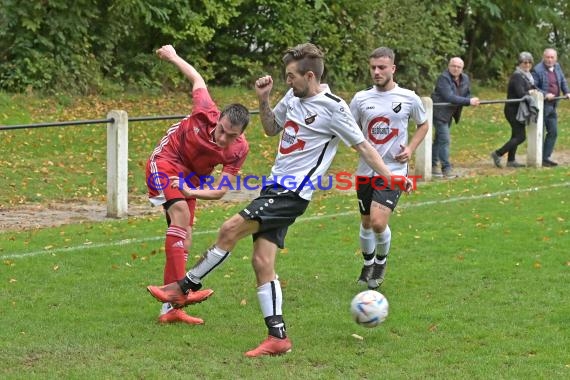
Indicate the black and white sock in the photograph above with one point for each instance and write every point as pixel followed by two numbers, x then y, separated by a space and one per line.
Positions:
pixel 271 300
pixel 367 244
pixel 383 241
pixel 209 261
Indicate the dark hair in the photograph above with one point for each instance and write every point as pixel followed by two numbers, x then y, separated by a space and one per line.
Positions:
pixel 237 113
pixel 383 52
pixel 309 58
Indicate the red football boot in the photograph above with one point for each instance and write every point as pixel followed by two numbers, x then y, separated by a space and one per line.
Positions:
pixel 172 294
pixel 178 315
pixel 271 346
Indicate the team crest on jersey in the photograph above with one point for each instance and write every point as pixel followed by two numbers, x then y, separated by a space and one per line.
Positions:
pixel 290 140
pixel 310 119
pixel 196 130
pixel 396 107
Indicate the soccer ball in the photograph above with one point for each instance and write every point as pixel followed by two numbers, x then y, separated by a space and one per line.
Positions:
pixel 369 308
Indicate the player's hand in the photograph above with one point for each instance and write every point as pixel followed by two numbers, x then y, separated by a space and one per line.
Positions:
pixel 263 86
pixel 174 181
pixel 184 188
pixel 409 186
pixel 404 155
pixel 166 52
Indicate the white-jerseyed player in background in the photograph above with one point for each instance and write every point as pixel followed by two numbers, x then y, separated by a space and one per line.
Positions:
pixel 383 112
pixel 312 122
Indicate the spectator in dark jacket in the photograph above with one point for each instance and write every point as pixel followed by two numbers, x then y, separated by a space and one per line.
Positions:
pixel 521 83
pixel 453 86
pixel 549 79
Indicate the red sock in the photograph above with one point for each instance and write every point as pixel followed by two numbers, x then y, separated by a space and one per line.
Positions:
pixel 176 254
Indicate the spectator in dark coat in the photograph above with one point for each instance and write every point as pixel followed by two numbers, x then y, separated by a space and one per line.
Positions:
pixel 521 83
pixel 453 86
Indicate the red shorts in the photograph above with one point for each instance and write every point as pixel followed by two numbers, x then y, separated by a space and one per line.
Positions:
pixel 158 183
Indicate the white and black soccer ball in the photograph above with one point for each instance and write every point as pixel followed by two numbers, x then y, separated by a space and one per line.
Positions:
pixel 369 308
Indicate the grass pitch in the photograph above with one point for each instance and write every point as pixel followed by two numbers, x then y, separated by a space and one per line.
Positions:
pixel 477 284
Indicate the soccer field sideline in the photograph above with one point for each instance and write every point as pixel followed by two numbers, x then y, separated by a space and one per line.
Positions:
pixel 124 242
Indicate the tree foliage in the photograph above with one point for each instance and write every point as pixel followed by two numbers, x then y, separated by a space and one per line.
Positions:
pixel 50 45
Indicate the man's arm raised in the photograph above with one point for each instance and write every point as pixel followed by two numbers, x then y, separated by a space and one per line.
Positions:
pixel 168 53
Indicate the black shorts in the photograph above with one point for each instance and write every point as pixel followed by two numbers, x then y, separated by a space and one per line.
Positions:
pixel 382 194
pixel 276 208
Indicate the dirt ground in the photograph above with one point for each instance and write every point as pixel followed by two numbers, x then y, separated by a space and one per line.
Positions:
pixel 31 216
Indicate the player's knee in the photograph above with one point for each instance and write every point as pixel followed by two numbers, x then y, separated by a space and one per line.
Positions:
pixel 178 212
pixel 378 227
pixel 366 224
pixel 261 263
pixel 229 230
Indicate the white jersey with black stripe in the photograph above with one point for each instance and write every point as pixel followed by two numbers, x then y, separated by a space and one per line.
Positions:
pixel 383 117
pixel 312 128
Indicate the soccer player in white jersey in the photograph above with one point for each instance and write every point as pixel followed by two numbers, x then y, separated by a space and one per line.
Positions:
pixel 383 112
pixel 312 122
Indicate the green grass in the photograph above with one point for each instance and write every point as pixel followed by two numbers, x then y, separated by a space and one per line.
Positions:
pixel 476 283
pixel 477 278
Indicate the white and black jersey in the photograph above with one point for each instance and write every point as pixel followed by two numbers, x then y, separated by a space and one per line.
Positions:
pixel 383 117
pixel 312 128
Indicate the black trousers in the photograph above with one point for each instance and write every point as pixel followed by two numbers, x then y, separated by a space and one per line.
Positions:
pixel 518 135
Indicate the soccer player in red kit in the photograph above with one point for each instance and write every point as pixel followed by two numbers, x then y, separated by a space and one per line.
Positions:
pixel 192 148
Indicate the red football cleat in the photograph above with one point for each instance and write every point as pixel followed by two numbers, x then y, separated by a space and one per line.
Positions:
pixel 178 315
pixel 271 346
pixel 198 296
pixel 172 294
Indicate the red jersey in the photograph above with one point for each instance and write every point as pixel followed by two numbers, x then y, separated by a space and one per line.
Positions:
pixel 189 145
